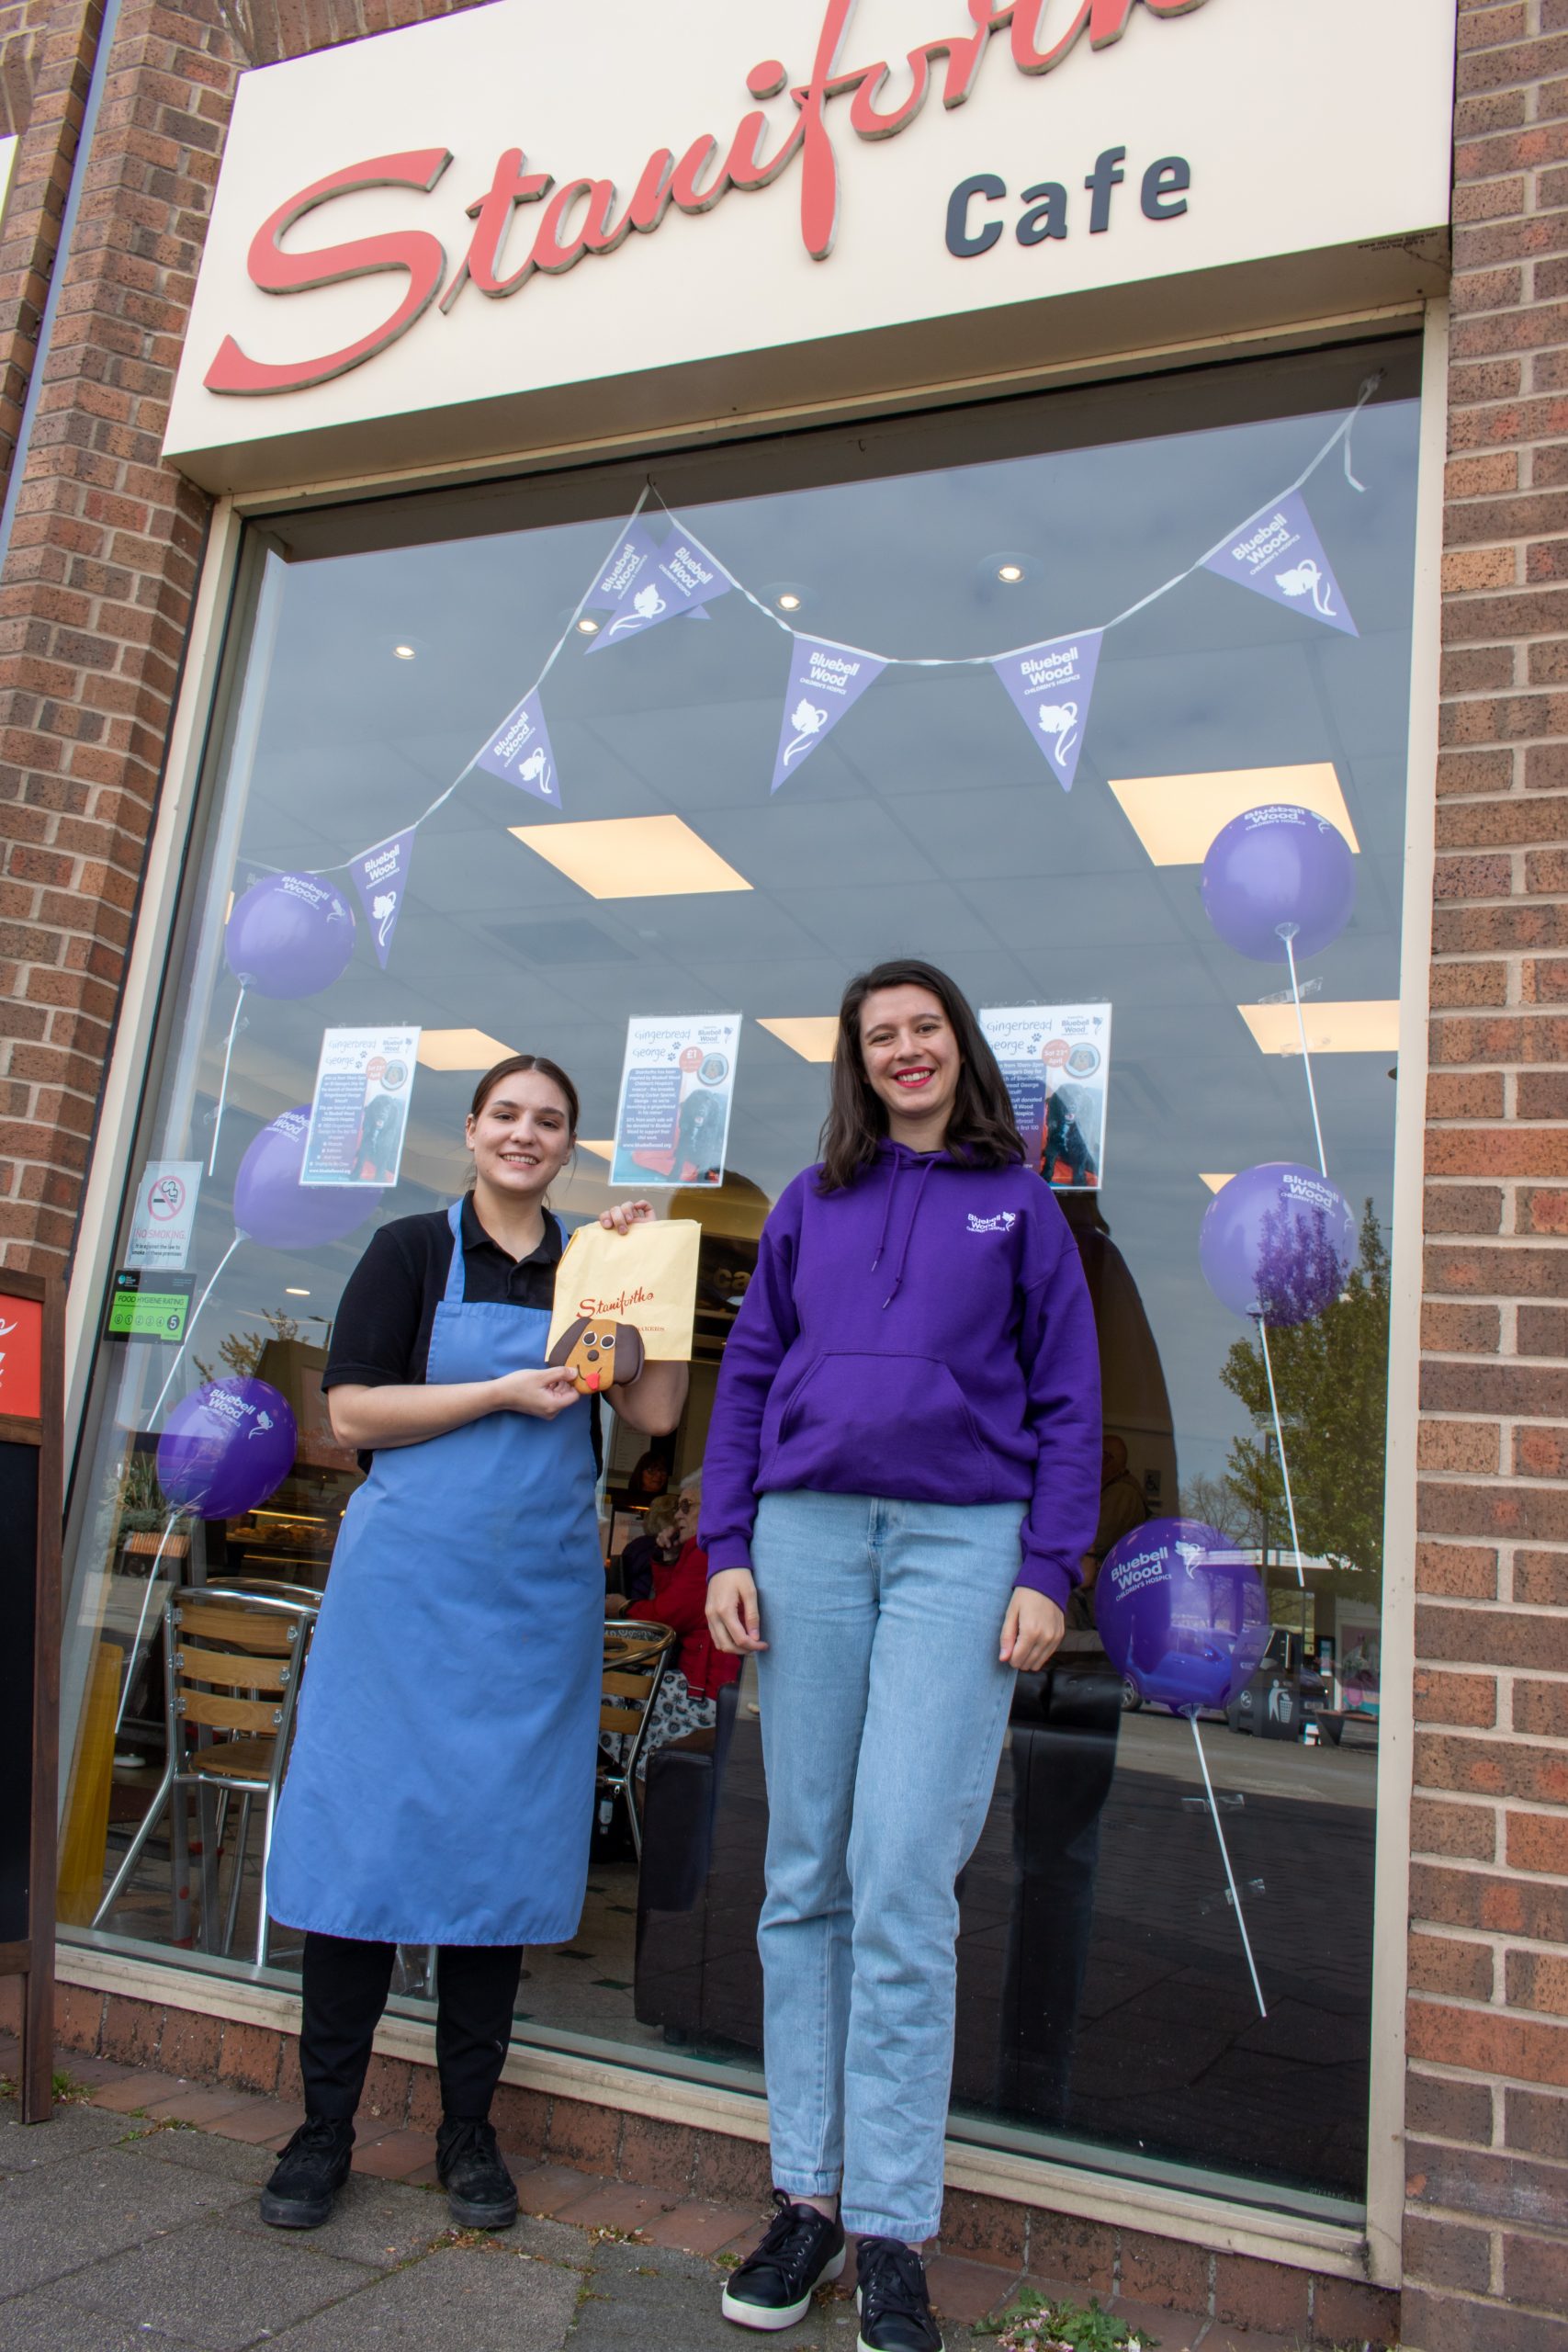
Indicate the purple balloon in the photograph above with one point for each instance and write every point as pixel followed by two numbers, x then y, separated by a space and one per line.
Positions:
pixel 225 1448
pixel 271 1205
pixel 1182 1613
pixel 291 934
pixel 1273 866
pixel 1279 1240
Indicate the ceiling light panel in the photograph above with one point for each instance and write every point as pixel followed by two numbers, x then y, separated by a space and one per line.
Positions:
pixel 812 1036
pixel 1362 1025
pixel 1177 816
pixel 632 857
pixel 460 1049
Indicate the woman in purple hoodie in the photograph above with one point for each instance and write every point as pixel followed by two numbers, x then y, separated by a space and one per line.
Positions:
pixel 901 1477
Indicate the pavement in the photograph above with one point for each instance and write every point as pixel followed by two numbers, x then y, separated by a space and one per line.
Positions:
pixel 130 2221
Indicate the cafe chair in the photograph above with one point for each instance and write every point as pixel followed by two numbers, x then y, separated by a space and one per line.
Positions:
pixel 635 1655
pixel 232 1663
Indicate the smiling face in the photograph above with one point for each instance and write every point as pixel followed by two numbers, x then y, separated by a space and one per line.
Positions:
pixel 521 1138
pixel 912 1063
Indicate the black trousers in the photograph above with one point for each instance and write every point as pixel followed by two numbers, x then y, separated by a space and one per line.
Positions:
pixel 344 1991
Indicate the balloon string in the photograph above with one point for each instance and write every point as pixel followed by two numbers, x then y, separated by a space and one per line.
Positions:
pixel 190 1327
pixel 223 1082
pixel 1230 1874
pixel 1288 934
pixel 146 1605
pixel 1280 1439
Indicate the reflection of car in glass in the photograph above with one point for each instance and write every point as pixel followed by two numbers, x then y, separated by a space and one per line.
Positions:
pixel 1287 1689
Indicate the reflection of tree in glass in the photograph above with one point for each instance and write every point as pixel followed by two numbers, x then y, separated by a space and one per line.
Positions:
pixel 1299 1272
pixel 242 1350
pixel 1331 1375
pixel 1217 1503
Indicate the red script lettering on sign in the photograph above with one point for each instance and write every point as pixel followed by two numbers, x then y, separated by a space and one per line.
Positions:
pixel 579 215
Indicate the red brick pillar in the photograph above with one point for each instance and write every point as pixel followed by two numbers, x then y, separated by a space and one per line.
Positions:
pixel 94 601
pixel 1487 2248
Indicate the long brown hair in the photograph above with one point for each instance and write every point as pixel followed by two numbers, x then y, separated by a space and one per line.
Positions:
pixel 981 1132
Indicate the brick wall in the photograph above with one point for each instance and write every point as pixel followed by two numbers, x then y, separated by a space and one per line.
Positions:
pixel 1486 2250
pixel 96 594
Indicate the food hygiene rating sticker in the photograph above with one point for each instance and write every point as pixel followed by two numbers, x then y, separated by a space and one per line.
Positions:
pixel 146 1304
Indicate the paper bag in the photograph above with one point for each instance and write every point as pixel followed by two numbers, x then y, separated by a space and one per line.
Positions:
pixel 647 1277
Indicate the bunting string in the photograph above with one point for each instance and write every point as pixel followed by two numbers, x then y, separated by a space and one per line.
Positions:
pixel 643 584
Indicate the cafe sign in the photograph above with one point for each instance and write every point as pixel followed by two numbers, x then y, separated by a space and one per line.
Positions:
pixel 401 224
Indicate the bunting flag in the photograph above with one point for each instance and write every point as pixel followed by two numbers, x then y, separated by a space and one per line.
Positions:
pixel 635 552
pixel 1051 684
pixel 380 877
pixel 824 680
pixel 520 752
pixel 665 582
pixel 1279 554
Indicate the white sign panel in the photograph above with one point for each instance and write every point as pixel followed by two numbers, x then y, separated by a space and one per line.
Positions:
pixel 452 217
pixel 359 1111
pixel 672 1120
pixel 163 1215
pixel 1056 1062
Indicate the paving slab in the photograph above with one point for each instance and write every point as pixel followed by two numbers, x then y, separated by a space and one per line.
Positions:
pixel 236 2160
pixel 376 2222
pixel 670 2314
pixel 70 2132
pixel 464 2299
pixel 214 2288
pixel 58 2217
pixel 45 2321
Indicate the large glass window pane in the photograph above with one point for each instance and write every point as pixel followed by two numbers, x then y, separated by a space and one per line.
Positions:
pixel 1106 2003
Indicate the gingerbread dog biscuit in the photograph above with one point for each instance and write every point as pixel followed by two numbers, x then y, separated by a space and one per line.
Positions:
pixel 598 1353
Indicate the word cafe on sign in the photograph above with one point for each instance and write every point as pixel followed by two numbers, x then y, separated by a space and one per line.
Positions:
pixel 642 515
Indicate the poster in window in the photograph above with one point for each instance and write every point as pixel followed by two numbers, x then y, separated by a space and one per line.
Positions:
pixel 360 1108
pixel 1056 1061
pixel 163 1214
pixel 677 1083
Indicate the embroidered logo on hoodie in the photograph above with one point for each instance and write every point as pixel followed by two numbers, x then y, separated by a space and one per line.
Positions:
pixel 1002 1223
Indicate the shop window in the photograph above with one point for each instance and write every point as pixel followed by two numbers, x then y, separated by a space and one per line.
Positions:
pixel 1106 2003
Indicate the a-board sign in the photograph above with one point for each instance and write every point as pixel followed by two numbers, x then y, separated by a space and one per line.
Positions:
pixel 30 1417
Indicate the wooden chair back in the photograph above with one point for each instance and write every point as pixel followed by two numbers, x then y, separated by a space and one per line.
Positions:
pixel 634 1656
pixel 234 1668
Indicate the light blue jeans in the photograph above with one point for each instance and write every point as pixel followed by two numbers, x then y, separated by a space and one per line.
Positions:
pixel 883 1706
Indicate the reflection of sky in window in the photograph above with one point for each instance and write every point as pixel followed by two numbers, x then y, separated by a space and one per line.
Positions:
pixel 927 823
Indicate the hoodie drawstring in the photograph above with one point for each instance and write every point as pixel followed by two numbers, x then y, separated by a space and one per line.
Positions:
pixel 926 1167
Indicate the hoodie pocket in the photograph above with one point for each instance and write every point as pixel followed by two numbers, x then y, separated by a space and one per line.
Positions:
pixel 884 1425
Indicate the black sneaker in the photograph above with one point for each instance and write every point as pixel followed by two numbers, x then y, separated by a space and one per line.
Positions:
pixel 309 2172
pixel 775 2286
pixel 895 2309
pixel 481 2192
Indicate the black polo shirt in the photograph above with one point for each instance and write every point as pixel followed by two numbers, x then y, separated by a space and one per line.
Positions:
pixel 381 1332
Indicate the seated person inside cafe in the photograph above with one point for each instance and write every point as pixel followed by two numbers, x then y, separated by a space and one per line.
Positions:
pixel 631 1577
pixel 688 1696
pixel 441 1786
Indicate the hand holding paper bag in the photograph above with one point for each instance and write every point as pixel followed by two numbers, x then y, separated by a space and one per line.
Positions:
pixel 645 1278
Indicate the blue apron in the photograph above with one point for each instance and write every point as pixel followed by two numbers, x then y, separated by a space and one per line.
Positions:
pixel 441 1788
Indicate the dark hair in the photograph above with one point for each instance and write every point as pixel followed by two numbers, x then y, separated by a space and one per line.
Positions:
pixel 981 1132
pixel 514 1067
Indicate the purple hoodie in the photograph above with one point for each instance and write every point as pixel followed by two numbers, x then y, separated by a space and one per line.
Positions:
pixel 925 1336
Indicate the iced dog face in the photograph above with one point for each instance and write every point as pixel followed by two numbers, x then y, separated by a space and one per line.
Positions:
pixel 599 1354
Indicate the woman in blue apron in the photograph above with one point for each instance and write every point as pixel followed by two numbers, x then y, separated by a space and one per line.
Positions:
pixel 441 1786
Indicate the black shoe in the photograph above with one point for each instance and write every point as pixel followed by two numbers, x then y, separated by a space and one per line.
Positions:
pixel 895 2309
pixel 309 2172
pixel 481 2192
pixel 775 2286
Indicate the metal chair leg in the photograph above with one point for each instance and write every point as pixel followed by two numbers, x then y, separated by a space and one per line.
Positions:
pixel 133 1851
pixel 242 1841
